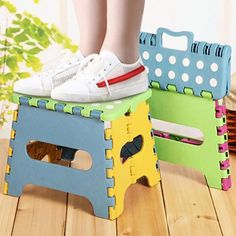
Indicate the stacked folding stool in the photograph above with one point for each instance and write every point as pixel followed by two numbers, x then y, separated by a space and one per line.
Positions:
pixel 122 150
pixel 188 87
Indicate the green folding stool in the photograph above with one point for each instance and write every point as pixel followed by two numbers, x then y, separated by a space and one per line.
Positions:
pixel 188 87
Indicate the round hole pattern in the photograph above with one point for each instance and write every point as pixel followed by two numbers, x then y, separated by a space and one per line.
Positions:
pixel 171 74
pixel 213 82
pixel 158 72
pixel 172 60
pixel 146 55
pixel 214 67
pixel 185 77
pixel 186 62
pixel 199 79
pixel 159 57
pixel 200 65
pixel 110 107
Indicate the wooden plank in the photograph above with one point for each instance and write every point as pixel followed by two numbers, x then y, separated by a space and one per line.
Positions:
pixel 8 204
pixel 144 212
pixel 41 211
pixel 188 202
pixel 225 204
pixel 80 216
pixel 81 219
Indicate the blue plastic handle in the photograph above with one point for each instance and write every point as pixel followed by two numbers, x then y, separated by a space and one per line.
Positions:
pixel 187 34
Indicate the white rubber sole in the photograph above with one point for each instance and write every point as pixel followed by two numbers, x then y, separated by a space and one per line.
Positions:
pixel 33 92
pixel 128 91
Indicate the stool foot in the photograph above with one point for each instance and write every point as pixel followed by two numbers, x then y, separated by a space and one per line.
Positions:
pixel 154 179
pixel 14 190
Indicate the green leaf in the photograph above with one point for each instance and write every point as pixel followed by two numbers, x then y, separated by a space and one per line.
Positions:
pixel 11 62
pixel 19 16
pixel 16 22
pixel 30 43
pixel 9 112
pixel 18 50
pixel 20 37
pixel 25 23
pixel 34 63
pixel 24 75
pixel 13 29
pixel 34 50
pixel 10 7
pixel 37 20
pixel 8 76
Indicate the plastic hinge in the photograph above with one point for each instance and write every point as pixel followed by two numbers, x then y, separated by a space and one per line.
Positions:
pixel 108 144
pixel 153 40
pixel 188 91
pixel 109 163
pixel 226 183
pixel 12 141
pixel 59 107
pixel 224 165
pixel 223 147
pixel 222 130
pixel 110 182
pixel 13 134
pixel 194 47
pixel 77 111
pixel 154 150
pixel 24 101
pixel 42 104
pixel 206 94
pixel 96 114
pixel 157 165
pixel 10 151
pixel 171 87
pixel 220 110
pixel 5 188
pixel 110 192
pixel 155 84
pixel 15 115
pixel 142 38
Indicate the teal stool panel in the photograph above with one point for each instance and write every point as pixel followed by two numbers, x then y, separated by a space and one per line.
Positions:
pixel 67 130
pixel 203 67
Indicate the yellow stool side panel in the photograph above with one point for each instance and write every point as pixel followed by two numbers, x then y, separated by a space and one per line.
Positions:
pixel 143 163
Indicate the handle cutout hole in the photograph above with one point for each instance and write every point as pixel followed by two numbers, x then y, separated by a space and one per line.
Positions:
pixel 177 43
pixel 77 159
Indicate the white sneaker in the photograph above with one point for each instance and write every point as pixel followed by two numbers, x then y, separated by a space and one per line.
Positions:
pixel 102 78
pixel 42 84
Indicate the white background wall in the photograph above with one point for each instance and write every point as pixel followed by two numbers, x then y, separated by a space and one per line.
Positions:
pixel 210 20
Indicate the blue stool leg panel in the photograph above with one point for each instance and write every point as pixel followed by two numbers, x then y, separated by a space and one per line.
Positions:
pixel 69 131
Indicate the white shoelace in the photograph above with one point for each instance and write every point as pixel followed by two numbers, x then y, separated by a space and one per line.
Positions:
pixel 66 61
pixel 91 67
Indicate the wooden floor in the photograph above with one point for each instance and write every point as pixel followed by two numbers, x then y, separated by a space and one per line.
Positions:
pixel 181 204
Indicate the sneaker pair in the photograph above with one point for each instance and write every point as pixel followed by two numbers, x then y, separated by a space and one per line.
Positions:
pixel 98 77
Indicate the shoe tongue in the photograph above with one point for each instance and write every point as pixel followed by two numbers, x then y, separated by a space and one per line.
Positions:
pixel 110 56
